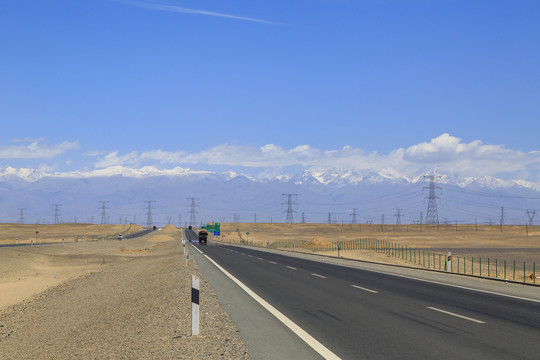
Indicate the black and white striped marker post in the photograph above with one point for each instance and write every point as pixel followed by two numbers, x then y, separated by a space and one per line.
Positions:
pixel 194 305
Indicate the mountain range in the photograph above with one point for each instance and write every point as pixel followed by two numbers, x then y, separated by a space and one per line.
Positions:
pixel 31 196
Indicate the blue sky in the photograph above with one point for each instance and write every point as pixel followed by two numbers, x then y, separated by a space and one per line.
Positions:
pixel 265 86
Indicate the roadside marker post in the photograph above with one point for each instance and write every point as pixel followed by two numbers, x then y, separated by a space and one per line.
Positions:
pixel 194 305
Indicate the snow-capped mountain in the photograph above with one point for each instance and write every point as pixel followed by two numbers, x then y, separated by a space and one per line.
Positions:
pixel 221 194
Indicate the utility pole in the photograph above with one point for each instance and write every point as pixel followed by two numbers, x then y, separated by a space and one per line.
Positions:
pixel 353 220
pixel 290 212
pixel 432 216
pixel 57 213
pixel 179 220
pixel 21 216
pixel 530 214
pixel 104 216
pixel 149 220
pixel 382 223
pixel 193 210
pixel 255 218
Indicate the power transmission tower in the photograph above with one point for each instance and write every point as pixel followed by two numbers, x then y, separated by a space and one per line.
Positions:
pixel 169 219
pixel 21 216
pixel 179 220
pixel 57 213
pixel 329 218
pixel 149 221
pixel 303 218
pixel 530 214
pixel 104 215
pixel 193 210
pixel 255 218
pixel 353 220
pixel 236 218
pixel 432 216
pixel 398 217
pixel 290 211
pixel 502 218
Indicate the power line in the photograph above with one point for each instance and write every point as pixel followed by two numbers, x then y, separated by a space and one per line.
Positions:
pixel 57 213
pixel 290 211
pixel 149 221
pixel 104 215
pixel 530 214
pixel 432 216
pixel 353 220
pixel 21 216
pixel 193 210
pixel 398 217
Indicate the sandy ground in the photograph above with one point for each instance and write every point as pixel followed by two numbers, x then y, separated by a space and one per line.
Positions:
pixel 26 234
pixel 426 245
pixel 108 299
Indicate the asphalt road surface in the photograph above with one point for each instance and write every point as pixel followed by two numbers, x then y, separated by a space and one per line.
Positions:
pixel 359 314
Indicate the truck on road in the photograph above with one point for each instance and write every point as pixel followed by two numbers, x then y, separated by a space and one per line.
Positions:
pixel 203 237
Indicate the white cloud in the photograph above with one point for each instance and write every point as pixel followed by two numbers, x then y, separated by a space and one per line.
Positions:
pixel 178 9
pixel 446 152
pixel 36 150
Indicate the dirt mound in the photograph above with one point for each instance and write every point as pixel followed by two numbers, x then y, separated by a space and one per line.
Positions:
pixel 318 241
pixel 170 228
pixel 135 228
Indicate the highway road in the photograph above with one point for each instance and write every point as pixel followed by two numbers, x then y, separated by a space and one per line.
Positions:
pixel 130 236
pixel 359 314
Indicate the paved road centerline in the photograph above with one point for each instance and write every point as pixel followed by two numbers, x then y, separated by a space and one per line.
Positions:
pixel 365 289
pixel 457 315
pixel 292 268
pixel 319 276
pixel 273 262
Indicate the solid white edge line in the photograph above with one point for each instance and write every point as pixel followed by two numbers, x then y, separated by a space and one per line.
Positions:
pixel 197 249
pixel 292 268
pixel 302 334
pixel 365 289
pixel 319 276
pixel 457 315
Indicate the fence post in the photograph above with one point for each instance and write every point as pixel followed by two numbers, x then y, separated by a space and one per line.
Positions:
pixel 504 269
pixel 514 276
pixel 488 268
pixel 480 266
pixel 472 266
pixel 524 276
pixel 496 269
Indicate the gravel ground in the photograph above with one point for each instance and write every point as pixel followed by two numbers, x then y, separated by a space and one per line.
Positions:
pixel 134 309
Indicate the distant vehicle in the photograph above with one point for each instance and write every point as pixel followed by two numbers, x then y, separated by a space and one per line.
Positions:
pixel 203 237
pixel 190 227
pixel 154 227
pixel 120 237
